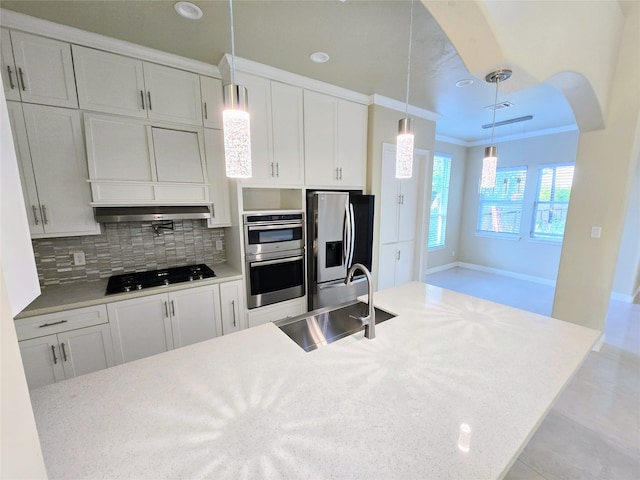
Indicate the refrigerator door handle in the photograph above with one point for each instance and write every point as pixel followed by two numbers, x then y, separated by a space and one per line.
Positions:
pixel 346 236
pixel 352 235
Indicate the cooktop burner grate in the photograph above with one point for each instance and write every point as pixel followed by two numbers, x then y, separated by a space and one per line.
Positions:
pixel 128 282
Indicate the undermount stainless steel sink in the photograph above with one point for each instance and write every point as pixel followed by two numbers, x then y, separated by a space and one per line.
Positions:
pixel 321 327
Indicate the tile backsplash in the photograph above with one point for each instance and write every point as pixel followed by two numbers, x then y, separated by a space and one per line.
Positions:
pixel 126 247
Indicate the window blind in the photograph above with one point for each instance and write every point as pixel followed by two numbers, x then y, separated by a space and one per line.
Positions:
pixel 500 209
pixel 552 201
pixel 439 200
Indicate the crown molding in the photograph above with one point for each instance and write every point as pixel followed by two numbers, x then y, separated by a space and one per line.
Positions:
pixel 454 141
pixel 399 106
pixel 273 73
pixel 521 136
pixel 45 28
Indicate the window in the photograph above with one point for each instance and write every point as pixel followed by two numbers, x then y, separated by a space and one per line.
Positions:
pixel 439 200
pixel 500 209
pixel 552 201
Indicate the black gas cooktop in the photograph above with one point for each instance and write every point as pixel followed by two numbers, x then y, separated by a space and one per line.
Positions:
pixel 129 282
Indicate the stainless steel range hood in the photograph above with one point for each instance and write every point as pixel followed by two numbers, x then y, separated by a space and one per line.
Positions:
pixel 153 213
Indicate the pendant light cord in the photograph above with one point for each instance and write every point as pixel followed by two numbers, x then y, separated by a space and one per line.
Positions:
pixel 233 46
pixel 495 104
pixel 406 111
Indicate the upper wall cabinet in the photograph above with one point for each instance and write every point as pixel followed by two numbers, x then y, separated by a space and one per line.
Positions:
pixel 277 151
pixel 218 183
pixel 37 70
pixel 140 162
pixel 53 170
pixel 115 84
pixel 335 141
pixel 211 92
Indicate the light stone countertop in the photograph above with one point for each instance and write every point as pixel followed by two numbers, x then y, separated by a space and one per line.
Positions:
pixel 56 298
pixel 254 405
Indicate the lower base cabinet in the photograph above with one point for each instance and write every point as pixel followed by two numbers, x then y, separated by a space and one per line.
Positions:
pixel 396 266
pixel 74 350
pixel 271 313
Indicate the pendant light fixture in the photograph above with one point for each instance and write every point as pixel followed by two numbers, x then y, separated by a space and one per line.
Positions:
pixel 235 121
pixel 490 160
pixel 404 149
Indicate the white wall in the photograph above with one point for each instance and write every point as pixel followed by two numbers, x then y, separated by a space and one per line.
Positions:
pixel 450 252
pixel 521 255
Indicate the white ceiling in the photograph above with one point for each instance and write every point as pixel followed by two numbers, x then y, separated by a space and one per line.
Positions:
pixel 367 41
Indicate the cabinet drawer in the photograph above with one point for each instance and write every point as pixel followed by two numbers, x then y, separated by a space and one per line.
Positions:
pixel 272 313
pixel 42 325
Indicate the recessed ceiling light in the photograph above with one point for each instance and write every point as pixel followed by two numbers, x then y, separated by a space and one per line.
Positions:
pixel 188 10
pixel 464 83
pixel 319 57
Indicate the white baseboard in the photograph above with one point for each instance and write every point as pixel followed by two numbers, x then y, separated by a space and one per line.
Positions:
pixel 507 273
pixel 441 268
pixel 598 345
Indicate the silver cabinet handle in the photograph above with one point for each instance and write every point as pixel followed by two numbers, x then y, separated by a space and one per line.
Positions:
pixel 213 210
pixel 337 176
pixel 233 310
pixel 35 215
pixel 166 310
pixel 53 352
pixel 149 98
pixel 21 73
pixel 272 169
pixel 142 99
pixel 64 352
pixel 340 173
pixel 399 199
pixel 11 84
pixel 173 309
pixel 44 214
pixel 278 169
pixel 398 256
pixel 51 324
pixel 206 117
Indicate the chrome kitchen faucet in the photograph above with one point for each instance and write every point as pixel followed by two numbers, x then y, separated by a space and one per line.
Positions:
pixel 369 321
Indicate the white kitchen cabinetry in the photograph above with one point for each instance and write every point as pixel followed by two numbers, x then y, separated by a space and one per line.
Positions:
pixel 63 345
pixel 271 313
pixel 277 151
pixel 112 83
pixel 232 306
pixel 212 105
pixel 335 141
pixel 37 70
pixel 136 162
pixel 218 183
pixel 396 264
pixel 153 324
pixel 53 170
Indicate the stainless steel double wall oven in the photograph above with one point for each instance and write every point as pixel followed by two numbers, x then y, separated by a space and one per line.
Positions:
pixel 274 257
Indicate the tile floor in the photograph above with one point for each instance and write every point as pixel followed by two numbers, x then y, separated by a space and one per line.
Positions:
pixel 593 431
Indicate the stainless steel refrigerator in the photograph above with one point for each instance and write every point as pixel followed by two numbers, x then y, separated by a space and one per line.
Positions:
pixel 339 234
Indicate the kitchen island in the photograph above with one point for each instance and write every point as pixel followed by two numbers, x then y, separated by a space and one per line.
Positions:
pixel 453 387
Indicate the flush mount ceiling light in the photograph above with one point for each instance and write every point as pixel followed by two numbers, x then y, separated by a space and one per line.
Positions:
pixel 464 83
pixel 188 10
pixel 404 149
pixel 235 121
pixel 490 160
pixel 319 57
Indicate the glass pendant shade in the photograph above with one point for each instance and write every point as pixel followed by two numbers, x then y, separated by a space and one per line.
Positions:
pixel 236 128
pixel 489 164
pixel 404 149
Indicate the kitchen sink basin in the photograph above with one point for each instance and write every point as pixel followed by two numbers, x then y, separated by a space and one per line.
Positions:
pixel 321 327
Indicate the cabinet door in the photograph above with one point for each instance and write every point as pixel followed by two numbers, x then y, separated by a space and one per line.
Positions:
pixel 218 183
pixel 404 263
pixel 387 266
pixel 42 361
pixel 9 72
pixel 27 178
pixel 408 211
pixel 389 198
pixel 45 70
pixel 259 90
pixel 172 95
pixel 117 148
pixel 60 168
pixel 109 83
pixel 86 350
pixel 212 105
pixel 179 155
pixel 352 143
pixel 195 314
pixel 320 139
pixel 232 306
pixel 288 143
pixel 140 327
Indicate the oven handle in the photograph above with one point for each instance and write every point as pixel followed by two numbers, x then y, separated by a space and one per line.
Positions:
pixel 271 226
pixel 275 262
